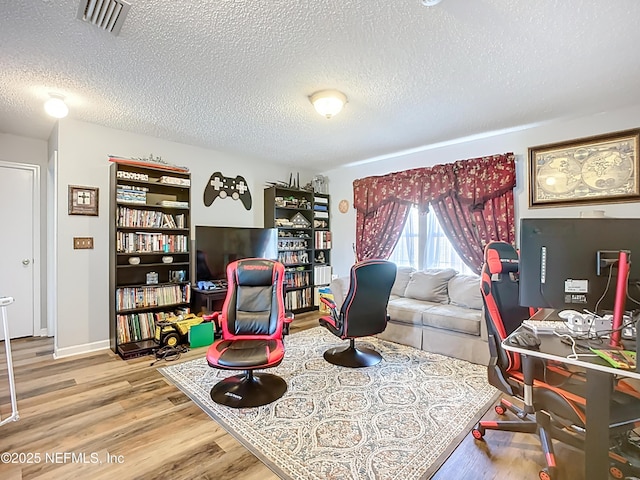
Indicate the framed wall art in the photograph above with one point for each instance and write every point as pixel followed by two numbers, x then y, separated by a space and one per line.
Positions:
pixel 594 170
pixel 83 200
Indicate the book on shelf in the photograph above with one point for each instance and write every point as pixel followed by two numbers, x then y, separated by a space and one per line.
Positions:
pixel 173 203
pixel 322 274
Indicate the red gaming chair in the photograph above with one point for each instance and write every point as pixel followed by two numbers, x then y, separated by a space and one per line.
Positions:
pixel 554 404
pixel 363 312
pixel 251 322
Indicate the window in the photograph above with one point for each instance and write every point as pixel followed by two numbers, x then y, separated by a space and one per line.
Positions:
pixel 423 244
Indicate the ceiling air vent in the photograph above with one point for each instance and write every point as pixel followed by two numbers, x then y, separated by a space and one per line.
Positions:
pixel 108 15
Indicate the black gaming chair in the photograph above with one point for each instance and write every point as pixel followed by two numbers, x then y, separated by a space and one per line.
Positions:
pixel 363 312
pixel 554 404
pixel 252 322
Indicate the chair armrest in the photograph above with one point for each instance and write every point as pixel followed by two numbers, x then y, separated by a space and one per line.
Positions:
pixel 484 334
pixel 328 302
pixel 214 317
pixel 288 318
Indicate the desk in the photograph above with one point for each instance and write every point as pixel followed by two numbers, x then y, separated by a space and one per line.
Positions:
pixel 598 396
pixel 207 301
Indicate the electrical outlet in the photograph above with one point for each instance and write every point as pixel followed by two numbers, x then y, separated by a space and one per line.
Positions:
pixel 82 243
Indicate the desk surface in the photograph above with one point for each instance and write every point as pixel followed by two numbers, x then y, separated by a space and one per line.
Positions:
pixel 552 348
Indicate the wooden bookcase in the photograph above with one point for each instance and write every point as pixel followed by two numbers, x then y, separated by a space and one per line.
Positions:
pixel 303 241
pixel 150 253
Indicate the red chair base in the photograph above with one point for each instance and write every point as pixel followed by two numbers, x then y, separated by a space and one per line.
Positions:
pixel 352 357
pixel 248 390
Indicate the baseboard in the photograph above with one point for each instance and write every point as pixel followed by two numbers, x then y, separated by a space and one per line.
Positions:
pixel 80 349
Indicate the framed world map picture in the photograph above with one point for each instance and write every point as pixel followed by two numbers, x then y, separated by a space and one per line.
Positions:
pixel 593 170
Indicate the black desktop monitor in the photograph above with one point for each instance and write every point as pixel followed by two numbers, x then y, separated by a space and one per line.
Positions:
pixel 216 247
pixel 560 260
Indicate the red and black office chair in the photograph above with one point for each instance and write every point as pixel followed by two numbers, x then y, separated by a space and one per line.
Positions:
pixel 554 404
pixel 363 312
pixel 251 322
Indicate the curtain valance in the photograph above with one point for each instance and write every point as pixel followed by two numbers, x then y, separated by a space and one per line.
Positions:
pixel 472 181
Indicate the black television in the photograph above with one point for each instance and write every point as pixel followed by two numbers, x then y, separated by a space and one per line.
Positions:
pixel 216 247
pixel 571 263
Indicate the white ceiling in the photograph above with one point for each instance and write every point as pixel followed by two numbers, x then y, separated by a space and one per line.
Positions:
pixel 235 75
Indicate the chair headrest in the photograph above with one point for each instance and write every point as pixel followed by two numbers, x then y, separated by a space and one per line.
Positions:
pixel 253 272
pixel 501 257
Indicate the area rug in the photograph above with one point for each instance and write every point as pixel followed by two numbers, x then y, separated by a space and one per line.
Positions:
pixel 398 420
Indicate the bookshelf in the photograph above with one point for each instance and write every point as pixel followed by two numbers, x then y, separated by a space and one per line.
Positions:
pixel 304 242
pixel 322 245
pixel 150 254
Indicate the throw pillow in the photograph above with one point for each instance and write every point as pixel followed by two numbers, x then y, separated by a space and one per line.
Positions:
pixel 464 291
pixel 403 275
pixel 430 285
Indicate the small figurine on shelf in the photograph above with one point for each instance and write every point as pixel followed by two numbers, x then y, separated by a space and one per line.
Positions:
pixel 303 257
pixel 320 257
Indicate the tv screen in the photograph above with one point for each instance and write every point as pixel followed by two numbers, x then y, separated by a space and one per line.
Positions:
pixel 216 247
pixel 559 262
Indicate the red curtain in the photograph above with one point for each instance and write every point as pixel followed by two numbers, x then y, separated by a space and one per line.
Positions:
pixel 377 232
pixel 473 200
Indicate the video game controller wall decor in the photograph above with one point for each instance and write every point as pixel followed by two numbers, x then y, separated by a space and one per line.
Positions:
pixel 220 186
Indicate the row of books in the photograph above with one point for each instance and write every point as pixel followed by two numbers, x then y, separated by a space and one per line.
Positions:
pixel 143 242
pixel 298 299
pixel 323 239
pixel 292 244
pixel 141 326
pixel 322 275
pixel 131 217
pixel 131 194
pixel 296 279
pixel 292 258
pixel 130 298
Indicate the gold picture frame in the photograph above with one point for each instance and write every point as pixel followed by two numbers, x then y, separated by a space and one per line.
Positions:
pixel 83 200
pixel 592 170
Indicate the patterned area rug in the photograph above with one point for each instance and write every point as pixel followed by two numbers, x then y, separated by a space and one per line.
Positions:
pixel 397 420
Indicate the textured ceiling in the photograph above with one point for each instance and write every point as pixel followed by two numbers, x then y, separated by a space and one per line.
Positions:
pixel 235 75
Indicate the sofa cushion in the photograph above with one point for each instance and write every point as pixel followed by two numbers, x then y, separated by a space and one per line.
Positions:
pixel 403 275
pixel 339 288
pixel 452 317
pixel 464 291
pixel 430 285
pixel 407 310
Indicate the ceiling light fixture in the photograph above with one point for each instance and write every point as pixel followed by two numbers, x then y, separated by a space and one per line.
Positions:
pixel 55 106
pixel 328 102
pixel 430 3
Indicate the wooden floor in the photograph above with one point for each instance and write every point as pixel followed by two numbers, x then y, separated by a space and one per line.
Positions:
pixel 96 416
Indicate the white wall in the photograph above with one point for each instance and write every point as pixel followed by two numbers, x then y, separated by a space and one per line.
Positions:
pixel 341 179
pixel 30 151
pixel 83 275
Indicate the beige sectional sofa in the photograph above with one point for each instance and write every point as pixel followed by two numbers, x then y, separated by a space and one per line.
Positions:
pixel 436 310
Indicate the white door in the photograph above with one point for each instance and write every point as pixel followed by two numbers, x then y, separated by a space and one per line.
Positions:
pixel 16 247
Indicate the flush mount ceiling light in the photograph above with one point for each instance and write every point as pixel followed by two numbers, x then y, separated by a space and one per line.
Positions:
pixel 328 102
pixel 55 106
pixel 430 3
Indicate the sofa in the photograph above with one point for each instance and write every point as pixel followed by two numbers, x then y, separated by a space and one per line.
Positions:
pixel 436 310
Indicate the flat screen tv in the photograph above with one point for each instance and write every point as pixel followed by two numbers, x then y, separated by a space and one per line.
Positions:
pixel 561 267
pixel 216 247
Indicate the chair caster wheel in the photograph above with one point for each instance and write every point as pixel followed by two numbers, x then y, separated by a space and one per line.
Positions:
pixel 615 472
pixel 544 474
pixel 500 409
pixel 478 433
